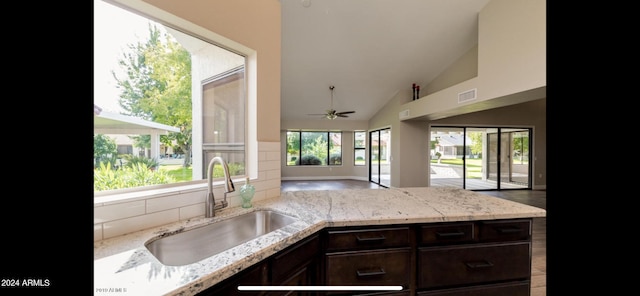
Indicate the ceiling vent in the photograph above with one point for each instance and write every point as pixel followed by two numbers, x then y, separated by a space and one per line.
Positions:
pixel 466 96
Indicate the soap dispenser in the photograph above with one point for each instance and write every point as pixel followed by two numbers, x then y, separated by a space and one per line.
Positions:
pixel 246 193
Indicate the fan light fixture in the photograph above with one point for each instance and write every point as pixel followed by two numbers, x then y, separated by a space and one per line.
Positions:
pixel 331 113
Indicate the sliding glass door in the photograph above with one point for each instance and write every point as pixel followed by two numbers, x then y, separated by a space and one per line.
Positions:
pixel 481 161
pixel 447 146
pixel 480 158
pixel 516 168
pixel 380 157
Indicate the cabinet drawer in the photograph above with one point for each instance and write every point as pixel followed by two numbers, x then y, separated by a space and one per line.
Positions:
pixel 507 230
pixel 471 264
pixel 381 267
pixel 367 238
pixel 521 288
pixel 447 233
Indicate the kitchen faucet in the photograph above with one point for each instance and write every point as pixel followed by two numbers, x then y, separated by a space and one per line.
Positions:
pixel 210 204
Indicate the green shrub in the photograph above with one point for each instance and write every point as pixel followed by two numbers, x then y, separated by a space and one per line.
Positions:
pixel 235 169
pixel 107 178
pixel 309 160
pixel 133 160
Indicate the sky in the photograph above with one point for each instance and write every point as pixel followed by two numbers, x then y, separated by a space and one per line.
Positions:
pixel 113 29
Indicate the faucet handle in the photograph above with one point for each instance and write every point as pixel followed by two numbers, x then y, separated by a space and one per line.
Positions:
pixel 229 185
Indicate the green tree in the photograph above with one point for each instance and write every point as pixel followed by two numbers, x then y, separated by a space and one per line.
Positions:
pixel 476 142
pixel 521 146
pixel 105 150
pixel 157 87
pixel 315 143
pixel 293 142
pixel 141 141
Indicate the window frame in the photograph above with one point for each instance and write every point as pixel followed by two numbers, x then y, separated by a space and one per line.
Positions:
pixel 357 149
pixel 299 148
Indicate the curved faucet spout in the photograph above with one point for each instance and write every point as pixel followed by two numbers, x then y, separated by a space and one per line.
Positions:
pixel 210 203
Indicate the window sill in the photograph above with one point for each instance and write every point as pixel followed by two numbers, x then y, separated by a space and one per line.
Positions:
pixel 106 199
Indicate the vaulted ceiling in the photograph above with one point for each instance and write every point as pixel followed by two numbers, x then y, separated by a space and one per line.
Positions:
pixel 369 50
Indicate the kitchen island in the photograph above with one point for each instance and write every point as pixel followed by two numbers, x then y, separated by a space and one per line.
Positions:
pixel 124 265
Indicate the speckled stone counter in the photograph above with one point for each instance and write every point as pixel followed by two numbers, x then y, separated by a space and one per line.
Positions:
pixel 123 265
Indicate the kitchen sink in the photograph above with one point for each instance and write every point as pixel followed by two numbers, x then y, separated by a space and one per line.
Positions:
pixel 196 244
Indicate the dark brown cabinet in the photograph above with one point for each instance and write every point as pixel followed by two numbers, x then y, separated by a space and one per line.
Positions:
pixel 256 275
pixel 469 258
pixel 294 266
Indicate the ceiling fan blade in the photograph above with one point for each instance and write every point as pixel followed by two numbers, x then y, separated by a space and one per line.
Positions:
pixel 331 113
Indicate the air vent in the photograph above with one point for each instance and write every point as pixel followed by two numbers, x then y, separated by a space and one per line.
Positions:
pixel 403 114
pixel 467 96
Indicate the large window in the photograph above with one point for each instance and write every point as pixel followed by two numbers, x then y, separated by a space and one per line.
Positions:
pixel 314 148
pixel 175 100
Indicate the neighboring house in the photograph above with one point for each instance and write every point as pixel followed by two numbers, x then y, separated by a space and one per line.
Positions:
pixel 451 146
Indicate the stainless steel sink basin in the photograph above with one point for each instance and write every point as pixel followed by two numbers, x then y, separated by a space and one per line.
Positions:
pixel 196 244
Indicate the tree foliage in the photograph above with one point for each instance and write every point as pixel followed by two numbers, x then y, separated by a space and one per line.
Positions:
pixel 315 143
pixel 157 87
pixel 105 150
pixel 476 142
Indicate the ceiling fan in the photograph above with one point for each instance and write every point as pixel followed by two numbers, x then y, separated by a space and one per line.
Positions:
pixel 332 113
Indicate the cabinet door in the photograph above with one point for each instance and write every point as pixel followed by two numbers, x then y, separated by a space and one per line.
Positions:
pixel 299 278
pixel 290 261
pixel 391 293
pixel 254 276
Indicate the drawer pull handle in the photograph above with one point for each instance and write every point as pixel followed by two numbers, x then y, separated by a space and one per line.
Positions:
pixel 479 264
pixel 508 230
pixel 370 273
pixel 449 234
pixel 370 239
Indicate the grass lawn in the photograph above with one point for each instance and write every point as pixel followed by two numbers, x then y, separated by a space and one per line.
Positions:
pixel 178 172
pixel 474 166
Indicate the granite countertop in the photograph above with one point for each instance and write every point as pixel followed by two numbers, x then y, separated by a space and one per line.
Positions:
pixel 123 265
